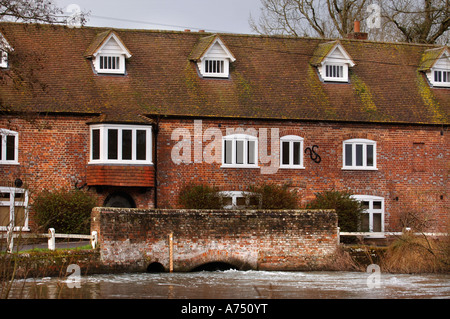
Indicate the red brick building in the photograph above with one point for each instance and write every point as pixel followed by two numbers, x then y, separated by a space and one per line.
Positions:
pixel 133 115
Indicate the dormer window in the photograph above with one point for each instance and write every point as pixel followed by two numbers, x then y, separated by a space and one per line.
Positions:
pixel 111 64
pixel 108 54
pixel 4 48
pixel 334 71
pixel 436 65
pixel 332 62
pixel 214 67
pixel 213 57
pixel 3 59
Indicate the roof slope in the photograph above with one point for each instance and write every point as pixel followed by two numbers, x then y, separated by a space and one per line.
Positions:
pixel 271 78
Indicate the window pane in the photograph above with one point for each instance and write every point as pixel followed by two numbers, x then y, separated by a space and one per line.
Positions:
pixel 240 201
pixel 4 215
pixel 19 216
pixel 365 223
pixel 376 205
pixel 126 144
pixel 10 145
pixel 227 201
pixel 285 153
pixel 365 205
pixel 370 155
pixel 141 144
pixel 228 152
pixel 251 152
pixel 348 154
pixel 376 227
pixel 112 144
pixel 359 155
pixel 95 144
pixel 239 152
pixel 296 153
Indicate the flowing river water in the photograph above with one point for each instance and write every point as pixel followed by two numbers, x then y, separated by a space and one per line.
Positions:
pixel 234 284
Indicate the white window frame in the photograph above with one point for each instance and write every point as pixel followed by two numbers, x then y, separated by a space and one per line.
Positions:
pixel 3 137
pixel 12 203
pixel 371 211
pixel 103 141
pixel 234 196
pixel 440 83
pixel 225 70
pixel 343 78
pixel 364 143
pixel 3 59
pixel 291 139
pixel 120 70
pixel 235 138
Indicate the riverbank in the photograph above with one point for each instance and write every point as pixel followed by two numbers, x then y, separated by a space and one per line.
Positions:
pixel 356 258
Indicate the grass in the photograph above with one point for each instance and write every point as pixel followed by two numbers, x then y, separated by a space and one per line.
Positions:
pixel 85 247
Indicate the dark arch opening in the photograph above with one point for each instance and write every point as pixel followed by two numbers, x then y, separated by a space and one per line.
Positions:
pixel 119 199
pixel 155 267
pixel 215 266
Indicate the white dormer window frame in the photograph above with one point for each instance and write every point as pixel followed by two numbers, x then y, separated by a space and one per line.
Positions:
pixel 215 67
pixel 4 49
pixel 441 77
pixel 3 59
pixel 215 62
pixel 110 59
pixel 335 66
pixel 439 74
pixel 110 63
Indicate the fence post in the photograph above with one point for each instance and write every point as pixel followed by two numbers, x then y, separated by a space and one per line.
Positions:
pixel 51 239
pixel 171 252
pixel 339 235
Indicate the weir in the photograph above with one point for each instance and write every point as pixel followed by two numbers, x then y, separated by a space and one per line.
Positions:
pixel 185 240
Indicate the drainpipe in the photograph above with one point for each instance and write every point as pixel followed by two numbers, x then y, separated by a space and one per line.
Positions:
pixel 155 162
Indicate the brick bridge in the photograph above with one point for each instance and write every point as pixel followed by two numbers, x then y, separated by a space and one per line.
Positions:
pixel 183 240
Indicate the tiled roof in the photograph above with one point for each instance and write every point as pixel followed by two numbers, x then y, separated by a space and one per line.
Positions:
pixel 272 78
pixel 430 57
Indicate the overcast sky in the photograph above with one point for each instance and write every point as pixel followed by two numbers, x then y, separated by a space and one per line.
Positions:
pixel 211 15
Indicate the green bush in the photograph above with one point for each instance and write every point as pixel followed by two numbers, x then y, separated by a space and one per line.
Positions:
pixel 348 209
pixel 273 196
pixel 67 211
pixel 199 197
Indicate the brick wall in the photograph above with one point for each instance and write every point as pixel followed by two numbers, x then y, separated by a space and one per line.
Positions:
pixel 267 240
pixel 412 163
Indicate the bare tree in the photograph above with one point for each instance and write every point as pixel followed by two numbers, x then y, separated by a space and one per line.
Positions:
pixel 423 21
pixel 36 11
pixel 322 18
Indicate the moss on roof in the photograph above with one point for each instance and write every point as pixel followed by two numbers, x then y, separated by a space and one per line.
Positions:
pixel 272 78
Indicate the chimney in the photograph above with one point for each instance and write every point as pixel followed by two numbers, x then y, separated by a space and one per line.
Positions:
pixel 357 34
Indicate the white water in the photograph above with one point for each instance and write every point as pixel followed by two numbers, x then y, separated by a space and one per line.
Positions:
pixel 234 284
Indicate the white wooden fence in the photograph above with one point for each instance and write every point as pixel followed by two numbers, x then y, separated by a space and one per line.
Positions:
pixel 51 235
